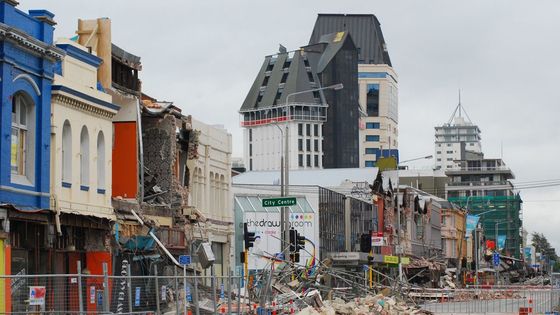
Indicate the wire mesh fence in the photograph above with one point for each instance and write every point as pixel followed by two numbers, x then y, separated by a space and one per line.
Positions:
pixel 105 294
pixel 502 300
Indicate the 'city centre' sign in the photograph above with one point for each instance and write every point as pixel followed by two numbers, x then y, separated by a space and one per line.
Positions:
pixel 279 202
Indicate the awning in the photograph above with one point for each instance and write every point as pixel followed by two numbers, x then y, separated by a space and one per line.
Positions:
pixel 87 210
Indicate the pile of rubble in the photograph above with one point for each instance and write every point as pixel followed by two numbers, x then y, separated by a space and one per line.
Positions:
pixel 378 304
pixel 485 295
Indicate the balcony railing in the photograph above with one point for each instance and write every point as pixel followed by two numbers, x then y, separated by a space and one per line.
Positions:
pixel 491 183
pixel 479 168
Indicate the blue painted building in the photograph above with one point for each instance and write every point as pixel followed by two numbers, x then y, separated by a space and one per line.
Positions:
pixel 28 59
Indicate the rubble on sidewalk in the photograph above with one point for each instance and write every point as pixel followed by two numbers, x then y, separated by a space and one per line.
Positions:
pixel 370 304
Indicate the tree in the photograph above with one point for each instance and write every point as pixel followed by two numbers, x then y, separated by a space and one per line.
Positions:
pixel 543 246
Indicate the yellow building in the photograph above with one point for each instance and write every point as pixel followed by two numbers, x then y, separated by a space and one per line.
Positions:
pixel 453 234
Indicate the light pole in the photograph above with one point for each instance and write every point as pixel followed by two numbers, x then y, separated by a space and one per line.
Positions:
pixel 285 171
pixel 497 251
pixel 399 252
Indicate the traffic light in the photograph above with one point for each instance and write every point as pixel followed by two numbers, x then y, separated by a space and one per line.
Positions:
pixel 300 242
pixel 297 243
pixel 370 260
pixel 249 237
pixel 293 238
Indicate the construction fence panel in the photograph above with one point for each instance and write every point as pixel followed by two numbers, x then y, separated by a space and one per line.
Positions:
pixel 95 294
pixel 503 300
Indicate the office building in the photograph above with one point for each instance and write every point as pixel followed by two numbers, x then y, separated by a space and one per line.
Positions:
pixel 455 139
pixel 378 83
pixel 284 101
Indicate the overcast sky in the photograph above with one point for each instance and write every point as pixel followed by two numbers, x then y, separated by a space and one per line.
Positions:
pixel 504 55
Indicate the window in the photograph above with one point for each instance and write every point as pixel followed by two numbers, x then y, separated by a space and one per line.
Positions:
pixel 66 155
pixel 372 102
pixel 84 159
pixel 316 145
pixel 22 138
pixel 308 144
pixel 300 144
pixel 250 134
pixel 250 149
pixel 316 130
pixel 101 163
pixel 300 160
pixel 300 129
pixel 449 144
pixel 370 163
pixel 372 125
pixel 450 159
pixel 438 152
pixel 308 129
pixel 250 164
pixel 265 81
pixel 308 160
pixel 372 151
pixel 439 160
pixel 284 77
pixel 316 158
pixel 449 152
pixel 371 138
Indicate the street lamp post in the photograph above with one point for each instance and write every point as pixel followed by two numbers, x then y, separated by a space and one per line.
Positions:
pixel 400 251
pixel 285 172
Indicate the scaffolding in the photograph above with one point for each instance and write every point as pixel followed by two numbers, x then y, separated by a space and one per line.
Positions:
pixel 504 209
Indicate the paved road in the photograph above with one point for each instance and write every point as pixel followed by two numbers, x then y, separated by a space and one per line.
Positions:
pixel 541 304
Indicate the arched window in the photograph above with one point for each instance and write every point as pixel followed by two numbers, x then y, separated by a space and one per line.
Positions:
pixel 84 159
pixel 22 152
pixel 66 154
pixel 101 163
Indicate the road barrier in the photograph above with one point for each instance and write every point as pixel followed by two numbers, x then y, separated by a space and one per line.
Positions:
pixel 123 294
pixel 502 300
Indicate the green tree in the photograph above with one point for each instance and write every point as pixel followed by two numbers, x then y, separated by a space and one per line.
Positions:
pixel 543 246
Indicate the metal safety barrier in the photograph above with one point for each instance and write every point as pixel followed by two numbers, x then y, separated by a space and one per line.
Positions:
pixel 502 300
pixel 128 294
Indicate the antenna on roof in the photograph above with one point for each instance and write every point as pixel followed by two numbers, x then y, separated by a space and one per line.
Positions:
pixel 459 111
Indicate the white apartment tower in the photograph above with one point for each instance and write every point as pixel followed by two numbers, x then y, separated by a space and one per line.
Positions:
pixel 455 139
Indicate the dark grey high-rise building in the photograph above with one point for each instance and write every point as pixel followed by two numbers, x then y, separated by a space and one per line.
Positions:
pixel 323 125
pixel 365 31
pixel 378 83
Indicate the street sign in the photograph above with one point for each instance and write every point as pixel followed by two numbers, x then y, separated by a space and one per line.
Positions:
pixel 405 260
pixel 391 259
pixel 496 259
pixel 376 241
pixel 279 202
pixel 185 259
pixel 37 295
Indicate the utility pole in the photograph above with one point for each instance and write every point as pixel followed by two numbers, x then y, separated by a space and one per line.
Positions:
pixel 285 169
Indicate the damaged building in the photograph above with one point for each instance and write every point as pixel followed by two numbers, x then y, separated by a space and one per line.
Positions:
pixel 164 182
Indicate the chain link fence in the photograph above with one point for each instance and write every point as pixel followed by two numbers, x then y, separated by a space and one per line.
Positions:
pixel 180 293
pixel 500 300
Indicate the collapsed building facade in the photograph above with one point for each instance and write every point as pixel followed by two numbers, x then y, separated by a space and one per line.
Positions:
pixel 99 172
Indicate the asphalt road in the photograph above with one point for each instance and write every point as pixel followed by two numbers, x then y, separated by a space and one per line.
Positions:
pixel 541 304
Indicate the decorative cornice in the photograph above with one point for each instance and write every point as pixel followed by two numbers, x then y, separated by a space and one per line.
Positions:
pixel 82 106
pixel 85 97
pixel 49 51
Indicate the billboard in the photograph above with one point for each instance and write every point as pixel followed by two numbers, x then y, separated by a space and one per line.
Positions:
pixel 472 221
pixel 266 226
